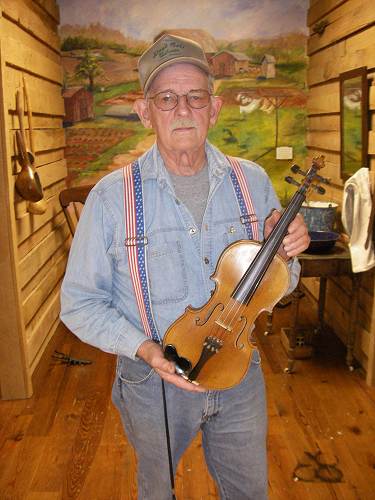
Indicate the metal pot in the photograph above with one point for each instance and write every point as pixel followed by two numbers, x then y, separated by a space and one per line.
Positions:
pixel 319 215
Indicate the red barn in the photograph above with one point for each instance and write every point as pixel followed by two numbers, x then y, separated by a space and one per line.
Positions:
pixel 79 104
pixel 226 63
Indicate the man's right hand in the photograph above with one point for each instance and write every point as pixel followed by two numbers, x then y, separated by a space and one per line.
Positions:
pixel 152 354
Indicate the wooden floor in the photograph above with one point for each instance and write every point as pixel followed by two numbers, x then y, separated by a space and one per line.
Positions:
pixel 67 441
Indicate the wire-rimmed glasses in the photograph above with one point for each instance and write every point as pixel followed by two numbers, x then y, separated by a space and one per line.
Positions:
pixel 168 100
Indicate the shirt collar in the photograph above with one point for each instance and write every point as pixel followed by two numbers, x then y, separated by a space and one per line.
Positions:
pixel 153 167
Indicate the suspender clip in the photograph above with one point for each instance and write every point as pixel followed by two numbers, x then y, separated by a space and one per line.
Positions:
pixel 136 241
pixel 248 218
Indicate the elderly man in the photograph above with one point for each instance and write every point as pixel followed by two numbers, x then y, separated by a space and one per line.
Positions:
pixel 147 243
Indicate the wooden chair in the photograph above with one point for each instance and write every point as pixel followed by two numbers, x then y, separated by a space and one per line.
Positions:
pixel 72 201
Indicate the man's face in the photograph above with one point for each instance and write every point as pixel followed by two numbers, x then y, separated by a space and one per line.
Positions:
pixel 183 128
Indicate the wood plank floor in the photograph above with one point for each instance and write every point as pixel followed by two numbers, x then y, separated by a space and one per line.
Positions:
pixel 67 441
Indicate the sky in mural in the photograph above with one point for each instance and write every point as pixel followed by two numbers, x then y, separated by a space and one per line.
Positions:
pixel 224 19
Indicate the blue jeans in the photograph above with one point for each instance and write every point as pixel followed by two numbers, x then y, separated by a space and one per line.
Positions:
pixel 233 424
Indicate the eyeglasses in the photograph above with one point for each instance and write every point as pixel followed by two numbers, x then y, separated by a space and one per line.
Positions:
pixel 168 100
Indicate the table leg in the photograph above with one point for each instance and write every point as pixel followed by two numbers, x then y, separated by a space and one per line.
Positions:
pixel 296 295
pixel 268 330
pixel 321 304
pixel 353 321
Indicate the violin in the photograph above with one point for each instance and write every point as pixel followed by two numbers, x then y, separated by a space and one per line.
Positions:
pixel 211 345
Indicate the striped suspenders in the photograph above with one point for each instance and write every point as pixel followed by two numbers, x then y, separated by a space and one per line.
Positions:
pixel 248 216
pixel 135 243
pixel 136 240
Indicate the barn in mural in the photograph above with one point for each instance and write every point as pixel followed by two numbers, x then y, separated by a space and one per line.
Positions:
pixel 258 62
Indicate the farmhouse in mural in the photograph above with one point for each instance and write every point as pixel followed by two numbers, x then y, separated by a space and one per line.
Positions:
pixel 79 104
pixel 226 63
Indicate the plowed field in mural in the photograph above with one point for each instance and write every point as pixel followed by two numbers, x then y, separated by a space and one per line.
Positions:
pixel 85 145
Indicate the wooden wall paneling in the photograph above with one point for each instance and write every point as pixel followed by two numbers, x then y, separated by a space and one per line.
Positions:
pixel 331 158
pixel 326 139
pixel 324 99
pixel 320 9
pixel 351 53
pixel 21 206
pixel 344 20
pixel 32 18
pixel 52 225
pixel 50 174
pixel 326 123
pixel 371 142
pixel 43 288
pixel 40 254
pixel 41 325
pixel 40 242
pixel 44 140
pixel 371 97
pixel 45 96
pixel 15 381
pixel 60 252
pixel 51 7
pixel 39 121
pixel 26 53
pixel 45 157
pixel 25 226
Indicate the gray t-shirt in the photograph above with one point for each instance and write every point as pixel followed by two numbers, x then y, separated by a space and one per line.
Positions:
pixel 193 190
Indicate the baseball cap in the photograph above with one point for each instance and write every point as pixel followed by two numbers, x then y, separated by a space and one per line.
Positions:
pixel 167 50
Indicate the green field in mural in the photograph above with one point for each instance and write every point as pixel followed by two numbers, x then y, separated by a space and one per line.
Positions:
pixel 259 70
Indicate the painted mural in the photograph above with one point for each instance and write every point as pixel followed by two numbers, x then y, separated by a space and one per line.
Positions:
pixel 256 49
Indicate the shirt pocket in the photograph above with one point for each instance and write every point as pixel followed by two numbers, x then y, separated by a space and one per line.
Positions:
pixel 231 230
pixel 167 273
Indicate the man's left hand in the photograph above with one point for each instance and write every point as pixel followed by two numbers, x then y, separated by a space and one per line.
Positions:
pixel 297 239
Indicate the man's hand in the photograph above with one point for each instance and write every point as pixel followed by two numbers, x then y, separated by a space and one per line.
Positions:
pixel 153 355
pixel 297 239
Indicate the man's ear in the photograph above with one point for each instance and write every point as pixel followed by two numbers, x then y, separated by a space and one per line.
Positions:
pixel 141 108
pixel 216 103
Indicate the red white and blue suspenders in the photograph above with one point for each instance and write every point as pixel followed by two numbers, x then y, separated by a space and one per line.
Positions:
pixel 136 240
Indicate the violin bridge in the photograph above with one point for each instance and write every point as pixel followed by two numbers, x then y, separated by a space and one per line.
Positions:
pixel 223 325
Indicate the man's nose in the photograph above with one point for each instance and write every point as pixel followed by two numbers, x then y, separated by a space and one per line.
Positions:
pixel 182 107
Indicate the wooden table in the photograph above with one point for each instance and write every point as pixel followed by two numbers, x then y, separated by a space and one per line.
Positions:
pixel 335 263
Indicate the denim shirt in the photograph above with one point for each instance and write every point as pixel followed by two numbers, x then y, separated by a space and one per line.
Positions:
pixel 97 296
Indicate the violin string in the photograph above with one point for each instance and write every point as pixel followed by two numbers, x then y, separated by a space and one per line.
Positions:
pixel 232 303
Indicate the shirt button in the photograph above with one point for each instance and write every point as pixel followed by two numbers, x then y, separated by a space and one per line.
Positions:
pixel 192 230
pixel 232 229
pixel 206 260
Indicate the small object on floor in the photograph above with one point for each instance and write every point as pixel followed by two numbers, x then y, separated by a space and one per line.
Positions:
pixel 303 342
pixel 65 359
pixel 317 470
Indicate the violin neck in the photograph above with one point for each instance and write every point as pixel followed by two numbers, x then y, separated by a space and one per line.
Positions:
pixel 255 272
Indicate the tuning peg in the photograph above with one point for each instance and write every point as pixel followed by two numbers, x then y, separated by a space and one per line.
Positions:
pixel 290 180
pixel 318 189
pixel 324 180
pixel 296 170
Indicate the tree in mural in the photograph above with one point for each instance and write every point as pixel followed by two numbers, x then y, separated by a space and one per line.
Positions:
pixel 88 68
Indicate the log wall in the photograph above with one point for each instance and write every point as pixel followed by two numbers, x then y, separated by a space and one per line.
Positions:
pixel 348 42
pixel 33 247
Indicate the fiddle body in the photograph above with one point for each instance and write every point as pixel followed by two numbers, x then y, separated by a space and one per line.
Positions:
pixel 216 338
pixel 211 345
